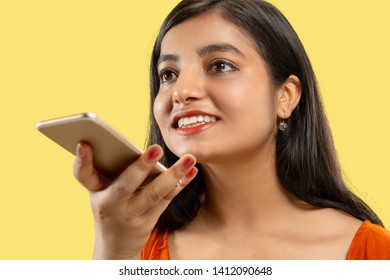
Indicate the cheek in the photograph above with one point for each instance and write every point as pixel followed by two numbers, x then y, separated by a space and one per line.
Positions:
pixel 253 115
pixel 246 100
pixel 160 110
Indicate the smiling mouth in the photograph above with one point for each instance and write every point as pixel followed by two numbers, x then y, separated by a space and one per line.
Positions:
pixel 195 121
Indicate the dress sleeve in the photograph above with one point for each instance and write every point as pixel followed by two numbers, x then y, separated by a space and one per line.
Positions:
pixel 157 246
pixel 371 242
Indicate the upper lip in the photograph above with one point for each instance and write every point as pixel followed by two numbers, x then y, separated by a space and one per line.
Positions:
pixel 186 114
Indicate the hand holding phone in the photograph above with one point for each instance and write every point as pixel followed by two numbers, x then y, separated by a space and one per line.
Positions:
pixel 124 213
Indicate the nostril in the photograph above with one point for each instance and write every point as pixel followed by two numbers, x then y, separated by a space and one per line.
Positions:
pixel 181 99
pixel 187 93
pixel 190 98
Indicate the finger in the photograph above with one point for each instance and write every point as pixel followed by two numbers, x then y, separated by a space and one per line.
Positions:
pixel 180 185
pixel 153 214
pixel 134 175
pixel 164 187
pixel 84 171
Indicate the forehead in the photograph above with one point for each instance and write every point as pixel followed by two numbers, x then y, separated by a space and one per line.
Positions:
pixel 209 28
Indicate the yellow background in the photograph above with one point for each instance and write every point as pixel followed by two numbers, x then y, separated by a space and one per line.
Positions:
pixel 64 57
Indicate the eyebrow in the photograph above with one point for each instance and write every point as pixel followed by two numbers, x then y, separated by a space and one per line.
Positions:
pixel 167 57
pixel 223 47
pixel 203 51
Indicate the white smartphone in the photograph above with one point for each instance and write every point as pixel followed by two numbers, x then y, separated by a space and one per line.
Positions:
pixel 112 152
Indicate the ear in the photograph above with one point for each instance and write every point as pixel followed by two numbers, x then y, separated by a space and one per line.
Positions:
pixel 289 95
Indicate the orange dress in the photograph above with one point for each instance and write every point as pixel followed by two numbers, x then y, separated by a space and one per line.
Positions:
pixel 371 242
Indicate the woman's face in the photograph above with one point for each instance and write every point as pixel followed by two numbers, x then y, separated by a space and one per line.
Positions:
pixel 216 100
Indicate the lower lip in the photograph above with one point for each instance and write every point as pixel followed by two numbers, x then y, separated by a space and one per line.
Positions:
pixel 194 130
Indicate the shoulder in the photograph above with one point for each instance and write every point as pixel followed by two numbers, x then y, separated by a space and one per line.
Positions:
pixel 371 242
pixel 156 248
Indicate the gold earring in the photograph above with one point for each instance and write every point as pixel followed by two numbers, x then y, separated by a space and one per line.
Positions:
pixel 283 125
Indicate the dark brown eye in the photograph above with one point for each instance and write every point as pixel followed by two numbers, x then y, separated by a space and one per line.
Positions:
pixel 222 67
pixel 167 76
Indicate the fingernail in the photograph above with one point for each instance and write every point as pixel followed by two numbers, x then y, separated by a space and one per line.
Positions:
pixel 152 153
pixel 191 173
pixel 80 151
pixel 187 163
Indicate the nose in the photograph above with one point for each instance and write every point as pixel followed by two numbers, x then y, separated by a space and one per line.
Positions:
pixel 188 87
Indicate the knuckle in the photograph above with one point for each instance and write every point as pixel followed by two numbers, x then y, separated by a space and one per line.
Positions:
pixel 103 212
pixel 178 173
pixel 79 177
pixel 76 174
pixel 154 194
pixel 121 190
pixel 169 197
pixel 76 169
pixel 101 209
pixel 92 181
pixel 142 164
pixel 80 171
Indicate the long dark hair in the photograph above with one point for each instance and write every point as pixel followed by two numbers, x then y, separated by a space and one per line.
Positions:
pixel 306 160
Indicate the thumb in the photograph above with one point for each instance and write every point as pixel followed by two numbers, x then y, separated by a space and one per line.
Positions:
pixel 84 171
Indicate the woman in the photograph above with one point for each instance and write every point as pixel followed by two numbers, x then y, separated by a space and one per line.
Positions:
pixel 233 90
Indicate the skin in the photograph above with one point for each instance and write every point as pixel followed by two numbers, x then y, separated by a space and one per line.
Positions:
pixel 231 84
pixel 208 66
pixel 124 214
pixel 245 204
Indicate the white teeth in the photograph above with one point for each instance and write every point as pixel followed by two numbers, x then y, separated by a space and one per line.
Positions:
pixel 196 120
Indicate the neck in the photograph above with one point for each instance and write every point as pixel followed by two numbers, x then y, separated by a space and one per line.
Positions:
pixel 244 193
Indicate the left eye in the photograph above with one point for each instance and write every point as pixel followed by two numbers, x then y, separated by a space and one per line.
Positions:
pixel 221 67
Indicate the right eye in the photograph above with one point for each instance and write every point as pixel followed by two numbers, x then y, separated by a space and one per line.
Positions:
pixel 167 75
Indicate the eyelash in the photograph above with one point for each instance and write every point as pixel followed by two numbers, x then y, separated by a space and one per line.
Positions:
pixel 163 73
pixel 212 67
pixel 220 63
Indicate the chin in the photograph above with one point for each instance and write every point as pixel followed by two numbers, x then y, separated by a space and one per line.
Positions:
pixel 198 153
pixel 202 157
